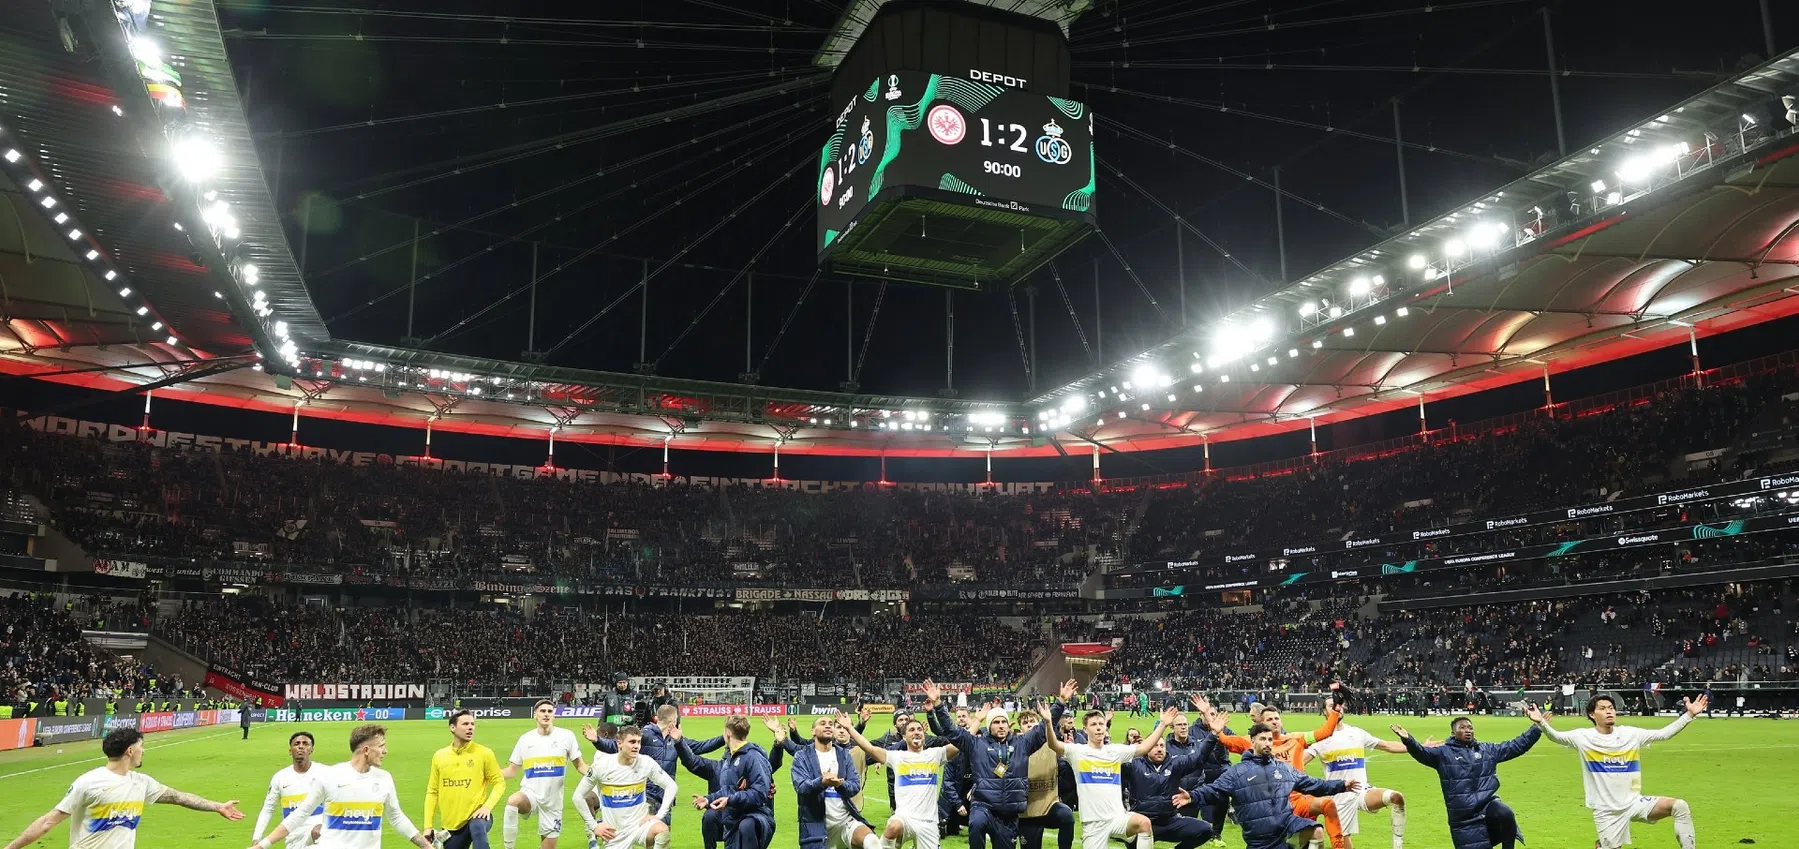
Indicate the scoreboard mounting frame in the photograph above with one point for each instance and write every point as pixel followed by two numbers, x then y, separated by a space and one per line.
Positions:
pixel 935 179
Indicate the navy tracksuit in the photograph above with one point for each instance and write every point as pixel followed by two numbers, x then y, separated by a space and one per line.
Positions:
pixel 810 792
pixel 1152 787
pixel 1216 760
pixel 955 780
pixel 995 801
pixel 745 779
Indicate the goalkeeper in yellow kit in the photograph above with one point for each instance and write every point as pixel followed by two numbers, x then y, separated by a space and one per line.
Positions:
pixel 464 788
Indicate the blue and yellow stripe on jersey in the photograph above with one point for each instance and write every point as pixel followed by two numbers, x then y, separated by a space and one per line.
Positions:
pixel 1613 762
pixel 915 774
pixel 1344 759
pixel 621 795
pixel 1096 772
pixel 552 766
pixel 107 816
pixel 290 802
pixel 354 816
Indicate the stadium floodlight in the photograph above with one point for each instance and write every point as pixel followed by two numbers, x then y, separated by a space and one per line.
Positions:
pixel 74 235
pixel 1224 378
pixel 1674 151
pixel 110 275
pixel 1378 280
pixel 1597 186
pixel 1402 312
pixel 35 185
pixel 281 329
pixel 1635 170
pixel 1308 309
pixel 13 155
pixel 156 325
pixel 1336 312
pixel 1262 329
pixel 1317 343
pixel 1380 319
pixel 92 254
pixel 48 202
pixel 1197 388
pixel 196 158
pixel 252 274
pixel 1749 119
pixel 144 50
pixel 172 340
pixel 61 218
pixel 1348 331
pixel 1614 198
pixel 1359 287
pixel 125 292
pixel 1143 375
pixel 1454 247
pixel 1196 368
pixel 1145 408
pixel 1482 236
pixel 143 310
pixel 1417 261
pixel 1292 352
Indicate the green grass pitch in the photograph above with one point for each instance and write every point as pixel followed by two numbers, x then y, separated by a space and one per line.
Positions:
pixel 1717 765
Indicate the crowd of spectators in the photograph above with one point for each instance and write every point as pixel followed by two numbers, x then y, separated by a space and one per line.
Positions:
pixel 565 644
pixel 1545 460
pixel 43 656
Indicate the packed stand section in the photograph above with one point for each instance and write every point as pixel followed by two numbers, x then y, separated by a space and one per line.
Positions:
pixel 1542 461
pixel 276 642
pixel 136 500
pixel 43 656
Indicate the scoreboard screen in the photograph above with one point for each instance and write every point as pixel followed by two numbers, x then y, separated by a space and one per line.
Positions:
pixel 974 143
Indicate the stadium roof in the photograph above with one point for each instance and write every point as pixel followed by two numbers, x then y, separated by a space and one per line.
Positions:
pixel 1700 241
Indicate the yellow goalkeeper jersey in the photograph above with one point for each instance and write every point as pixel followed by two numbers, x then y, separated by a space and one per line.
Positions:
pixel 463 780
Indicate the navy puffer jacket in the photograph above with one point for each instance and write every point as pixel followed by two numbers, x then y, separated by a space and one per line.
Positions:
pixel 1469 774
pixel 1004 795
pixel 1258 786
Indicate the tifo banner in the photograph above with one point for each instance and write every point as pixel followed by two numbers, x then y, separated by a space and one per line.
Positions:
pixel 729 710
pixel 216 444
pixel 121 568
pixel 953 687
pixel 17 733
pixel 233 684
pixel 355 692
pixel 149 723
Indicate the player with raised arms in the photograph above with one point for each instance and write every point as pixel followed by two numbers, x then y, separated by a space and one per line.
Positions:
pixel 1344 755
pixel 621 781
pixel 1099 778
pixel 288 787
pixel 917 775
pixel 1611 755
pixel 110 800
pixel 544 754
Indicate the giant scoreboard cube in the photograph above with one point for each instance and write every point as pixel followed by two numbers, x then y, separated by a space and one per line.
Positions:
pixel 948 180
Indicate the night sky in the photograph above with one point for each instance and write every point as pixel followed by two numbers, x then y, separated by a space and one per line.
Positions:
pixel 436 113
